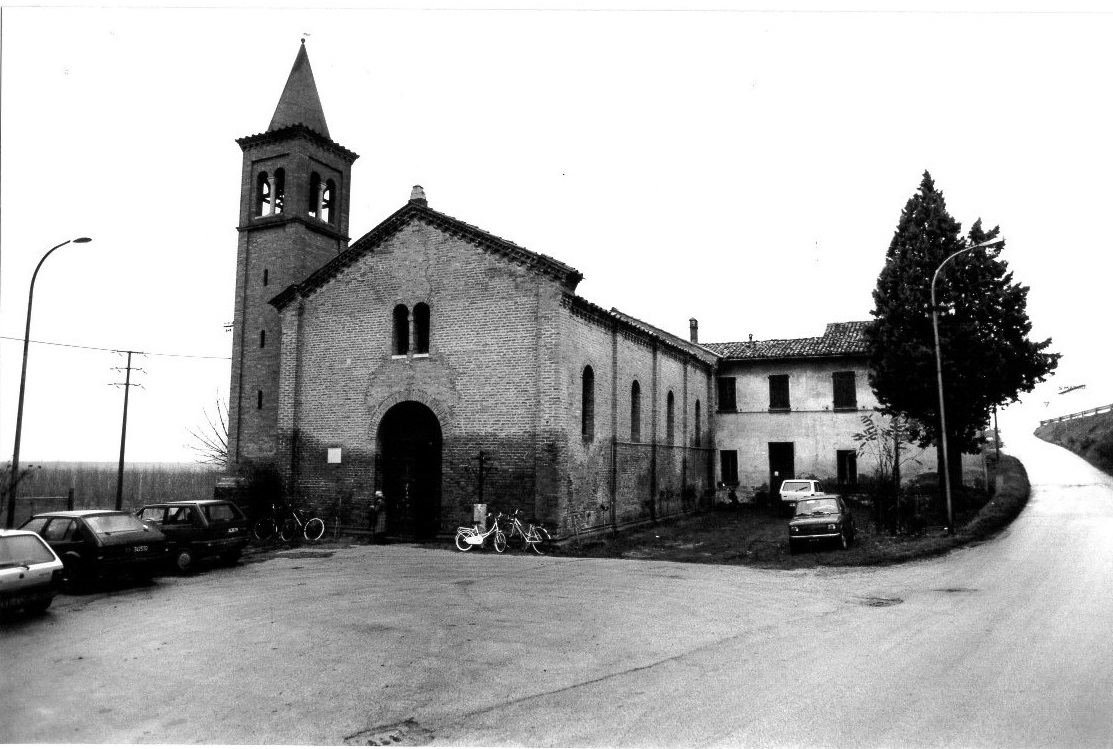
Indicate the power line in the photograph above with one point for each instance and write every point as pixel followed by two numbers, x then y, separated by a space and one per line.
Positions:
pixel 116 350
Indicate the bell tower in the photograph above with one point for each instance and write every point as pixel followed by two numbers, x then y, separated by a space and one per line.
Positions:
pixel 294 198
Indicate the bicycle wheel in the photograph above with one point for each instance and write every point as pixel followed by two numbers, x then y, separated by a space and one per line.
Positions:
pixel 264 529
pixel 314 529
pixel 540 541
pixel 289 530
pixel 500 542
pixel 462 540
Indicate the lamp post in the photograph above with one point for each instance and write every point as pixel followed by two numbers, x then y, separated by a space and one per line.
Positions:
pixel 14 478
pixel 939 376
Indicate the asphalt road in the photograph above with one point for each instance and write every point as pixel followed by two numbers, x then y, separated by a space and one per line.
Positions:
pixel 1004 644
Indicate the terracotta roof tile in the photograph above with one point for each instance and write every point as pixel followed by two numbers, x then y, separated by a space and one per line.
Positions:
pixel 839 339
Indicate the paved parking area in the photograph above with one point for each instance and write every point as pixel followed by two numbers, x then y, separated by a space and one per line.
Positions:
pixel 1002 644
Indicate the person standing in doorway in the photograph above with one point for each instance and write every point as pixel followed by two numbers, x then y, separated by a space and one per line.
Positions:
pixel 378 518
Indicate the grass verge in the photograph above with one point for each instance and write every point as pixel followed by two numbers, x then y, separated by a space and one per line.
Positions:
pixel 750 535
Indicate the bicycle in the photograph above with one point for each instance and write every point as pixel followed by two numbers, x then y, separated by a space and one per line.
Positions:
pixel 311 529
pixel 535 536
pixel 468 536
pixel 266 527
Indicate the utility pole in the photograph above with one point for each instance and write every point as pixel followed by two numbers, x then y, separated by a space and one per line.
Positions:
pixel 127 386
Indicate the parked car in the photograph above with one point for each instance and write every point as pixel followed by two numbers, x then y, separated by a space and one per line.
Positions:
pixel 95 543
pixel 793 490
pixel 819 519
pixel 30 572
pixel 201 529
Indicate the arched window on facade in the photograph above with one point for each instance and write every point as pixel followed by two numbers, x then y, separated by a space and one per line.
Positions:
pixel 263 194
pixel 670 420
pixel 279 190
pixel 315 195
pixel 699 427
pixel 401 331
pixel 262 339
pixel 421 328
pixel 270 193
pixel 636 412
pixel 587 404
pixel 328 194
pixel 322 198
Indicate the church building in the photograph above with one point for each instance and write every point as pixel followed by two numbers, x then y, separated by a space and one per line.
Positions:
pixel 447 366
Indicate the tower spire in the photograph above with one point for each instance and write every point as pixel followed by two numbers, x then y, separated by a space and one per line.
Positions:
pixel 300 103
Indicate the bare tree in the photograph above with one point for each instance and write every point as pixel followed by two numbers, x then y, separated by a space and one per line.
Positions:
pixel 210 441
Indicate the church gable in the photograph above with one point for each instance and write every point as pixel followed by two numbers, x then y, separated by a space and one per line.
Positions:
pixel 416 214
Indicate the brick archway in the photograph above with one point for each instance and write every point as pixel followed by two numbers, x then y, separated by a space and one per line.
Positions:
pixel 409 446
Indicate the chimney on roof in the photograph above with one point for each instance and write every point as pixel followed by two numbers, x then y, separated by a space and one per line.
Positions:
pixel 417 195
pixel 693 329
pixel 751 337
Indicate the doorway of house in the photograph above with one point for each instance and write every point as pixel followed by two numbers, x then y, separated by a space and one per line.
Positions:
pixel 410 470
pixel 782 465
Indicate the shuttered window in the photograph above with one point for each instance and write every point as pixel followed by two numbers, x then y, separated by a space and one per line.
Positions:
pixel 778 393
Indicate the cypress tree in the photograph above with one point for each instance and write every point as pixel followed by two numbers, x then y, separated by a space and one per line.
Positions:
pixel 987 357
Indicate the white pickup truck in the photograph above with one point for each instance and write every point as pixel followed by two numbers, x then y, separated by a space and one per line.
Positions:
pixel 793 490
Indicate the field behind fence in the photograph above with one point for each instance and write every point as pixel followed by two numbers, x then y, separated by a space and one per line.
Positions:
pixel 94 485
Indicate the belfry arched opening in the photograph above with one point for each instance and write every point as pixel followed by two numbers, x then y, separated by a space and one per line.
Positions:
pixel 410 470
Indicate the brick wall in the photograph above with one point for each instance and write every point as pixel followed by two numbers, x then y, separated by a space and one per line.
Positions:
pixel 274 252
pixel 482 376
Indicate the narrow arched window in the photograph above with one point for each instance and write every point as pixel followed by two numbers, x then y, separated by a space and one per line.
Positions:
pixel 587 404
pixel 636 412
pixel 699 427
pixel 279 191
pixel 315 195
pixel 263 194
pixel 266 276
pixel 421 328
pixel 259 404
pixel 262 339
pixel 401 334
pixel 328 196
pixel 670 420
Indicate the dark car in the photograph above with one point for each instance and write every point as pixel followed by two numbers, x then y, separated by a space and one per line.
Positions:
pixel 207 528
pixel 30 572
pixel 825 518
pixel 100 543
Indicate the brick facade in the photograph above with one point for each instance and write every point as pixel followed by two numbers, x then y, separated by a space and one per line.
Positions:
pixel 354 398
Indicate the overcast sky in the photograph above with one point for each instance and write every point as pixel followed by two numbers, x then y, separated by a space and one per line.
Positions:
pixel 746 168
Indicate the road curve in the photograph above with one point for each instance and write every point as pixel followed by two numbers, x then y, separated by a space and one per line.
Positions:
pixel 1005 644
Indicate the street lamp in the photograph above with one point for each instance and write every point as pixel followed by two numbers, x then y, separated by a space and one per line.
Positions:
pixel 14 478
pixel 939 376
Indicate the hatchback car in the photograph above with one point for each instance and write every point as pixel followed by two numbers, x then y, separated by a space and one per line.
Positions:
pixel 30 572
pixel 201 529
pixel 793 490
pixel 94 543
pixel 819 519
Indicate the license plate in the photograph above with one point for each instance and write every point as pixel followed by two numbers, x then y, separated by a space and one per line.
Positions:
pixel 233 530
pixel 138 549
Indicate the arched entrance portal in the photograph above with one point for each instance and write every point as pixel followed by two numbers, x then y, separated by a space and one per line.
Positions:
pixel 410 470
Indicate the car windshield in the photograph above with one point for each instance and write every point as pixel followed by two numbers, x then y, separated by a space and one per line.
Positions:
pixel 20 551
pixel 817 507
pixel 109 524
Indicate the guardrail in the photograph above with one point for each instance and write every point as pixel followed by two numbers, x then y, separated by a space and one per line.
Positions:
pixel 1079 415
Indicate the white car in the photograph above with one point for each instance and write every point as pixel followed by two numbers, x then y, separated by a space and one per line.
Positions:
pixel 30 572
pixel 793 490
